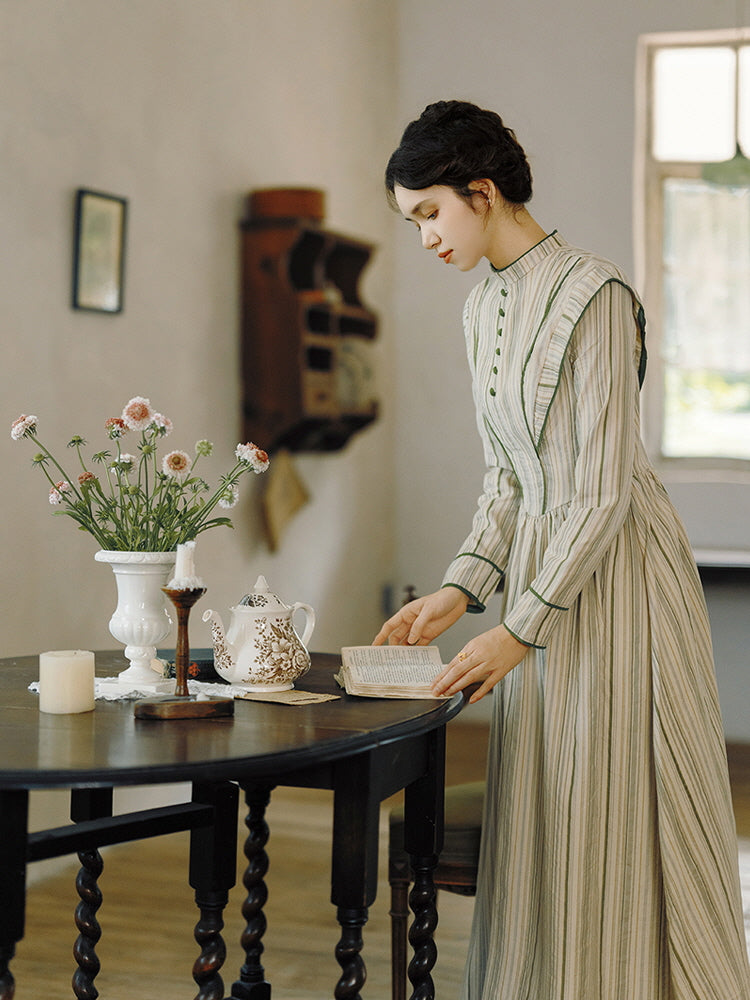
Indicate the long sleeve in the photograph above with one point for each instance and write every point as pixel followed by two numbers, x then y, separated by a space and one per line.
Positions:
pixel 479 566
pixel 604 353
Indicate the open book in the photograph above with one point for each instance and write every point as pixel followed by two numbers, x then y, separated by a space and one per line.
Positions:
pixel 389 671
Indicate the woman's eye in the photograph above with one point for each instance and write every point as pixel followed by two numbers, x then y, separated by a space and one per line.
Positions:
pixel 432 215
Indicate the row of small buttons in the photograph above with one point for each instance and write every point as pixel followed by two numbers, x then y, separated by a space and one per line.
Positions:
pixel 501 314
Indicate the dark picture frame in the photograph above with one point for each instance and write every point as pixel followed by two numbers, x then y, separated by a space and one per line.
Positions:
pixel 99 251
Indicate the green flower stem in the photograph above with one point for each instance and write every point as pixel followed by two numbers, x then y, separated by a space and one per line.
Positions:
pixel 80 456
pixel 59 468
pixel 142 508
pixel 195 526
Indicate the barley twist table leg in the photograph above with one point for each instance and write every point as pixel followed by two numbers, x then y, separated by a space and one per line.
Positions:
pixel 353 973
pixel 213 949
pixel 89 930
pixel 213 864
pixel 85 804
pixel 252 983
pixel 422 900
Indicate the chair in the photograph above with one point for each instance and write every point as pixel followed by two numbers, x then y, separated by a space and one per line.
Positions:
pixel 456 869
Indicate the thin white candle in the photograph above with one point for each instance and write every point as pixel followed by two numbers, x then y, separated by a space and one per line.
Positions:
pixel 185 577
pixel 66 681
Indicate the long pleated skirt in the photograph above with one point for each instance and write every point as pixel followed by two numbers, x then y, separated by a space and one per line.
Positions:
pixel 608 867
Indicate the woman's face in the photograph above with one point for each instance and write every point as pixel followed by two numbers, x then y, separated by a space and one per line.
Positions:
pixel 448 224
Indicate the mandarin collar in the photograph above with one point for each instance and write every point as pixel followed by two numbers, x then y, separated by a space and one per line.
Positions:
pixel 528 260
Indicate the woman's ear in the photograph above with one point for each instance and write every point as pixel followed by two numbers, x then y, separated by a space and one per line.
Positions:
pixel 486 190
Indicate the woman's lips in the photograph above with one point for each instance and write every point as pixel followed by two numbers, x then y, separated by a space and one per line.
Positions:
pixel 446 256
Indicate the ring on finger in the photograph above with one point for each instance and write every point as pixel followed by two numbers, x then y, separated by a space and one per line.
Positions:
pixel 462 656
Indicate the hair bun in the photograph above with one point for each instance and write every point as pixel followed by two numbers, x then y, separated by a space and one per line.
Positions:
pixel 454 143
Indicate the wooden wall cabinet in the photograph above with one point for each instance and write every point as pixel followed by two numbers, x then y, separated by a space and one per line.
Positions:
pixel 306 335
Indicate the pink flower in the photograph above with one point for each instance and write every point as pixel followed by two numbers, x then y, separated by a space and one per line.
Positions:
pixel 138 414
pixel 163 424
pixel 177 465
pixel 22 427
pixel 253 456
pixel 58 491
pixel 85 478
pixel 115 427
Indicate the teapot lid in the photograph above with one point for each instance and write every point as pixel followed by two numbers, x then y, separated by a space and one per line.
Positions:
pixel 261 597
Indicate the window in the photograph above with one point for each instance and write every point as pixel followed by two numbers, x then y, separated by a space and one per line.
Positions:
pixel 692 241
pixel 693 236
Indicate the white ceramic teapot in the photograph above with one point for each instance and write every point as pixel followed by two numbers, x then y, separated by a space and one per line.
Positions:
pixel 261 650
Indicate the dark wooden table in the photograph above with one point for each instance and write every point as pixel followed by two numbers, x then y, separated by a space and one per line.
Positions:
pixel 363 749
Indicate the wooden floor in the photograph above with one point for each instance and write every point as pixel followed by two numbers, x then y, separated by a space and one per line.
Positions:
pixel 147 948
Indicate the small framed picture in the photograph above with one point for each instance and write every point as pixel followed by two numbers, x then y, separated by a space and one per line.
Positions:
pixel 99 251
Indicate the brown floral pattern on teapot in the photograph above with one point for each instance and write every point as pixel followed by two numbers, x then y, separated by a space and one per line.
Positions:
pixel 261 649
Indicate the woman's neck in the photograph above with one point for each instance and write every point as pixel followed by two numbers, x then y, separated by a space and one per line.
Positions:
pixel 514 233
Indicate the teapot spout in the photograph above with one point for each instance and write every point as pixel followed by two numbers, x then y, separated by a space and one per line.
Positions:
pixel 223 661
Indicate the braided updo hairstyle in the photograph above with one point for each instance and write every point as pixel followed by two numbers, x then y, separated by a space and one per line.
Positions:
pixel 453 143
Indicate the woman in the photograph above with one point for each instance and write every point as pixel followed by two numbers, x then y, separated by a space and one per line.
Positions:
pixel 608 867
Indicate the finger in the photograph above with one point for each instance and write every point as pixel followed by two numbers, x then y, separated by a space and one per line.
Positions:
pixel 459 667
pixel 394 629
pixel 481 691
pixel 423 629
pixel 383 635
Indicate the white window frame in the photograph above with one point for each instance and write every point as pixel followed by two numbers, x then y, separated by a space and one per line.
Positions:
pixel 705 485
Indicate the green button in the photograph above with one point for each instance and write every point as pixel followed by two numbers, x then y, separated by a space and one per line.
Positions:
pixel 497 350
pixel 492 392
pixel 494 370
pixel 503 291
pixel 502 311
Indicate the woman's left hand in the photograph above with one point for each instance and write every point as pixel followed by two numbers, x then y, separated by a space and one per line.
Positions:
pixel 486 658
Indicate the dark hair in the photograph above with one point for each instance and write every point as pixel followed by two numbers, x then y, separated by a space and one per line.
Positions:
pixel 454 143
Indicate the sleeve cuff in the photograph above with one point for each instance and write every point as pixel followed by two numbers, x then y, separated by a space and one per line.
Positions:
pixel 474 607
pixel 532 620
pixel 475 576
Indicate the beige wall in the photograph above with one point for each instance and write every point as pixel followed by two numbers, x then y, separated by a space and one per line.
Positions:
pixel 181 106
pixel 184 105
pixel 562 75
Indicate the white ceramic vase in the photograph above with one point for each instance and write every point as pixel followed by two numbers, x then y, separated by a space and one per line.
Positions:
pixel 141 619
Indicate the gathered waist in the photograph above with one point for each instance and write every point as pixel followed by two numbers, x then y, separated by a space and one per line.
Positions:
pixel 645 483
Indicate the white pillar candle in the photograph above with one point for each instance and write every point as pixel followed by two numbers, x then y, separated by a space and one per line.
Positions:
pixel 185 577
pixel 66 681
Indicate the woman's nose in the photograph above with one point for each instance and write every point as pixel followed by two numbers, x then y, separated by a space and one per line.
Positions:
pixel 429 238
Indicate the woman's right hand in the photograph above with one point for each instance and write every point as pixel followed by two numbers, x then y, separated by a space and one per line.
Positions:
pixel 421 621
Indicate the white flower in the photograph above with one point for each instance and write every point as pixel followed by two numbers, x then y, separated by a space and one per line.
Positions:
pixel 230 496
pixel 253 456
pixel 23 426
pixel 125 462
pixel 138 414
pixel 177 465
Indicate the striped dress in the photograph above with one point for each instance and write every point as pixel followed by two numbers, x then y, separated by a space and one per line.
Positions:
pixel 608 866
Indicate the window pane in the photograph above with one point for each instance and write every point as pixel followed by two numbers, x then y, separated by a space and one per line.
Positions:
pixel 706 343
pixel 743 126
pixel 694 104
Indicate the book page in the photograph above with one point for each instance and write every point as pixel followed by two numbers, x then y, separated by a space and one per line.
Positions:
pixel 409 665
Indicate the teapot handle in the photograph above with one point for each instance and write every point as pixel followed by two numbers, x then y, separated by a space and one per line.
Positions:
pixel 309 621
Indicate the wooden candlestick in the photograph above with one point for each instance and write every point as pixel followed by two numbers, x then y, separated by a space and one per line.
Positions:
pixel 181 705
pixel 183 601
